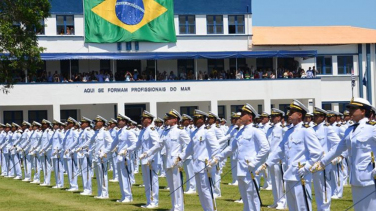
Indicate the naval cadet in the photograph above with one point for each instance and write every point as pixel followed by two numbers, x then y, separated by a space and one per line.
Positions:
pixel 25 138
pixel 44 150
pixel 174 139
pixel 2 139
pixel 32 148
pixel 202 147
pixel 359 139
pixel 5 149
pixel 252 149
pixel 56 144
pixel 15 160
pixel 300 148
pixel 323 181
pixel 188 164
pixel 69 144
pixel 125 144
pixel 84 160
pixel 113 129
pixel 150 167
pixel 275 135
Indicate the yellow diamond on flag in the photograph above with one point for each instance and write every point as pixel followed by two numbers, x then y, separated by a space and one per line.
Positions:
pixel 151 11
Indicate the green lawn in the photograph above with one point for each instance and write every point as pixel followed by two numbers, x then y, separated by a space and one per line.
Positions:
pixel 18 195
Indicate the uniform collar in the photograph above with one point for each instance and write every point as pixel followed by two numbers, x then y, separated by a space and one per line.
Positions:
pixel 363 121
pixel 300 124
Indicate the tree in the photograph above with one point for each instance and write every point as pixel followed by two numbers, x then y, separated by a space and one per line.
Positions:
pixel 20 22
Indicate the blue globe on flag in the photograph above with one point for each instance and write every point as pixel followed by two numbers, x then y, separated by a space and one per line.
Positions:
pixel 130 12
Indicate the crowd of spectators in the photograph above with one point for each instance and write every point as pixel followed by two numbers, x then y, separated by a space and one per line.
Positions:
pixel 150 75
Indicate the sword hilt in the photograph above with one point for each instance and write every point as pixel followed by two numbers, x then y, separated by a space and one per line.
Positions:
pixel 301 178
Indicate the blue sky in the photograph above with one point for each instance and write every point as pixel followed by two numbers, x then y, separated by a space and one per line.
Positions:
pixel 360 13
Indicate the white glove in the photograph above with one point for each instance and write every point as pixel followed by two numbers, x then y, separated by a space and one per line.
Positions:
pixel 213 162
pixel 176 162
pixel 123 152
pixel 318 166
pixel 374 173
pixel 103 155
pixel 143 155
pixel 336 160
pixel 261 168
pixel 302 171
pixel 250 164
pixel 78 149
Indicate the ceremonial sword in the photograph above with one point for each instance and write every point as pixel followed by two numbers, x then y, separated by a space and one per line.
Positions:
pixel 210 185
pixel 255 183
pixel 303 186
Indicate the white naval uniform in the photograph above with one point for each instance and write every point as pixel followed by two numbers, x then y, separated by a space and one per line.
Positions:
pixel 135 162
pixel 69 144
pixel 251 145
pixel 147 139
pixel 84 160
pixel 202 147
pixel 125 141
pixel 3 134
pixel 33 147
pixel 113 132
pixel 188 166
pixel 100 145
pixel 227 140
pixel 299 144
pixel 267 180
pixel 275 135
pixel 174 139
pixel 23 146
pixel 56 143
pixel 7 155
pixel 45 155
pixel 217 170
pixel 15 162
pixel 328 139
pixel 359 143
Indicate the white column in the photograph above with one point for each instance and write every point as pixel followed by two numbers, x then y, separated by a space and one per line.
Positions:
pixel 267 106
pixel 214 106
pixel 153 108
pixel 335 65
pixel 310 105
pixel 56 111
pixel 373 69
pixel 335 107
pixel 120 108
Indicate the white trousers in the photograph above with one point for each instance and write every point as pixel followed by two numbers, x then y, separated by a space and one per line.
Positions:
pixel 27 166
pixel 45 162
pixel 113 162
pixel 234 170
pixel 59 171
pixel 15 166
pixel 86 173
pixel 150 188
pixel 35 163
pixel 248 193
pixel 278 186
pixel 176 189
pixel 203 189
pixel 189 175
pixel 295 196
pixel 72 171
pixel 102 178
pixel 216 176
pixel 338 180
pixel 125 182
pixel 359 194
pixel 320 192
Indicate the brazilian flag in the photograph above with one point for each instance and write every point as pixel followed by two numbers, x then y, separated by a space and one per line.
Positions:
pixel 110 21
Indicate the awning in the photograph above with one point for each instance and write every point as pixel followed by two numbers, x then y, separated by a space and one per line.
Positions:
pixel 178 55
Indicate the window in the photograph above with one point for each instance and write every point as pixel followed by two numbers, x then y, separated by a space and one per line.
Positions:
pixel 259 109
pixel 345 64
pixel 65 24
pixel 134 111
pixel 324 65
pixel 185 68
pixel 13 116
pixel 65 114
pixel 150 66
pixel 214 24
pixel 187 24
pixel 283 107
pixel 236 108
pixel 216 65
pixel 41 30
pixel 37 115
pixel 105 65
pixel 222 111
pixel 241 63
pixel 326 106
pixel 69 67
pixel 188 110
pixel 236 24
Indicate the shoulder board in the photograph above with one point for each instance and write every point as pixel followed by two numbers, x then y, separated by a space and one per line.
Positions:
pixel 190 127
pixel 218 126
pixel 306 125
pixel 343 123
pixel 181 128
pixel 338 125
pixel 88 128
pixel 371 123
pixel 152 128
pixel 117 128
pixel 256 126
pixel 105 129
pixel 207 127
pixel 282 126
pixel 327 124
pixel 128 128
